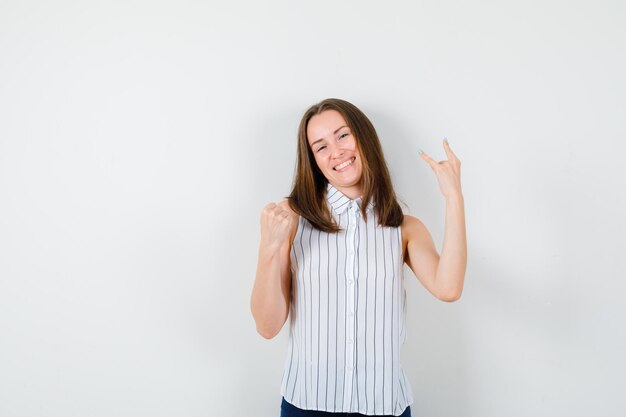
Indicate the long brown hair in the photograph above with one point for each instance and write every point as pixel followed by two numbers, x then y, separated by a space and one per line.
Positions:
pixel 308 195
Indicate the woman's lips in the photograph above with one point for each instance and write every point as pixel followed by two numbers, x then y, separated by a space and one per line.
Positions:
pixel 343 166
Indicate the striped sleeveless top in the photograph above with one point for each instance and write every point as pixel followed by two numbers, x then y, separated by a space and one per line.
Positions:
pixel 347 315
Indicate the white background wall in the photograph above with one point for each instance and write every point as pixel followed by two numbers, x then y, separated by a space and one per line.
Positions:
pixel 139 141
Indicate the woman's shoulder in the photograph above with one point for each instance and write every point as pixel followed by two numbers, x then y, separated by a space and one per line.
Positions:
pixel 411 226
pixel 410 221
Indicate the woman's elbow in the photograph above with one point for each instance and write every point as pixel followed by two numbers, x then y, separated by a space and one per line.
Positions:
pixel 450 296
pixel 269 327
pixel 267 332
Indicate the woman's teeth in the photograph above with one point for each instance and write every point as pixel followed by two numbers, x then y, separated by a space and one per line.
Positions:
pixel 345 164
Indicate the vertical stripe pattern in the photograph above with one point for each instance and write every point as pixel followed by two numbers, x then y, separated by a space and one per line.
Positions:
pixel 347 315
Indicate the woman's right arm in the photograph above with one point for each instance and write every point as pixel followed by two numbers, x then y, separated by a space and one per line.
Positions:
pixel 271 294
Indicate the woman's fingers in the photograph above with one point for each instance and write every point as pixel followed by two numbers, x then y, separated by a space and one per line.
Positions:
pixel 452 158
pixel 448 149
pixel 448 171
pixel 278 211
pixel 275 224
pixel 429 160
pixel 273 211
pixel 269 208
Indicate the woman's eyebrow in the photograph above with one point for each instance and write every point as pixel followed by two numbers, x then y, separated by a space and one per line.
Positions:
pixel 335 132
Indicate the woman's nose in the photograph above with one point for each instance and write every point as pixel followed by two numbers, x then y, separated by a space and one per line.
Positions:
pixel 337 152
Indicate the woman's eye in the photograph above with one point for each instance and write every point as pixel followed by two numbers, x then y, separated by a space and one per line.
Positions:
pixel 321 148
pixel 343 135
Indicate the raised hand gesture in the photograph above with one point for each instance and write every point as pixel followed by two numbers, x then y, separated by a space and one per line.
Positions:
pixel 276 223
pixel 448 172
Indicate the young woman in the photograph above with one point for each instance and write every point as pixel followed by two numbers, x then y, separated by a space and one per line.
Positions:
pixel 332 255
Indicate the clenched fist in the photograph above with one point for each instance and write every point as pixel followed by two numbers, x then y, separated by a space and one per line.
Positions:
pixel 277 221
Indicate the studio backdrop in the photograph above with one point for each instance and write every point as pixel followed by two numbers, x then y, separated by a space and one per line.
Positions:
pixel 140 140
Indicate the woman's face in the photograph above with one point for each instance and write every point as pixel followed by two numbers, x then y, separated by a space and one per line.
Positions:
pixel 335 151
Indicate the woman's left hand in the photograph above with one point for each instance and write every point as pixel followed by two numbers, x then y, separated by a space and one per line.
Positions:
pixel 448 172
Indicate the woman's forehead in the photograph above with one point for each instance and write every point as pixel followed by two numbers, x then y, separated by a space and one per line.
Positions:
pixel 324 125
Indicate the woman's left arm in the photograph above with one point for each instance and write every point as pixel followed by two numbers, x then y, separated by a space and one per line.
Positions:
pixel 453 259
pixel 450 270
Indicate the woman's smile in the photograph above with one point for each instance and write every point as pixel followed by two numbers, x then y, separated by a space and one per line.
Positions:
pixel 343 166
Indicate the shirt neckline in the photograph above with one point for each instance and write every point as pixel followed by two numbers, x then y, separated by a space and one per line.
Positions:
pixel 340 202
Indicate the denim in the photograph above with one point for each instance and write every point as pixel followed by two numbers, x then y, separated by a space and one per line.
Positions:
pixel 289 410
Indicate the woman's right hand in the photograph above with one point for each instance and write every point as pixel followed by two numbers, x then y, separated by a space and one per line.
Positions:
pixel 277 221
pixel 271 294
